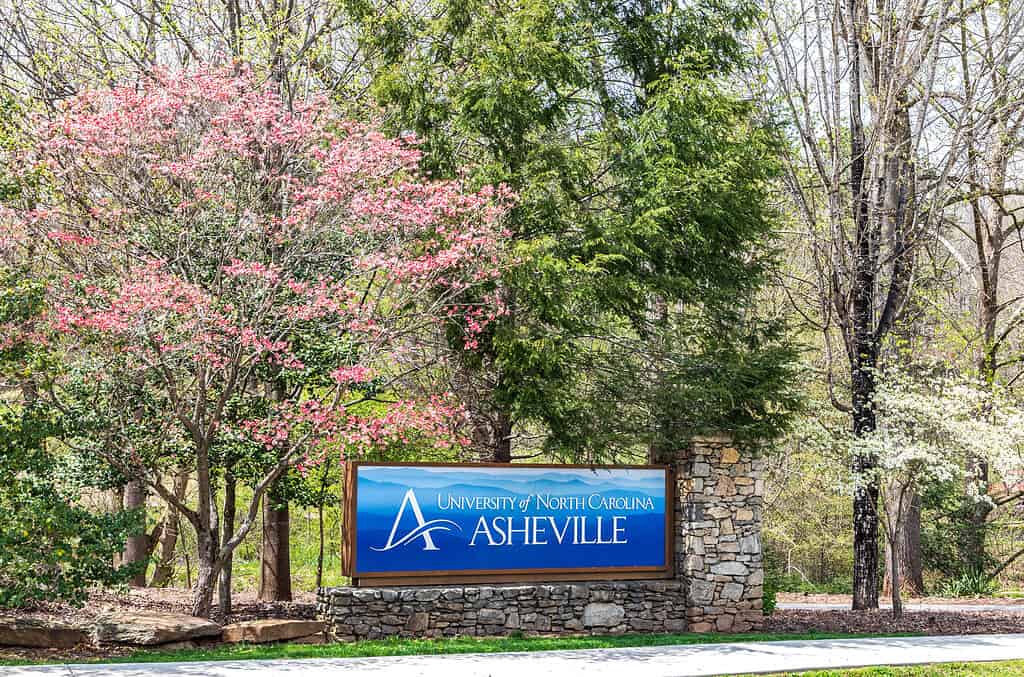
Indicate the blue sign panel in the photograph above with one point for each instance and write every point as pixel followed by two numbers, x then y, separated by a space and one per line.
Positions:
pixel 422 520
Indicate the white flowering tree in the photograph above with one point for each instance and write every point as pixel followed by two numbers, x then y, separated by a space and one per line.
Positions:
pixel 928 427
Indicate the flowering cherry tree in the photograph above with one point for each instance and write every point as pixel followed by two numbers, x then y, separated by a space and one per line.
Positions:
pixel 212 246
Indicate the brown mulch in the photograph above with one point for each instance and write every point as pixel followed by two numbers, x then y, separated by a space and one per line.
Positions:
pixel 809 598
pixel 879 622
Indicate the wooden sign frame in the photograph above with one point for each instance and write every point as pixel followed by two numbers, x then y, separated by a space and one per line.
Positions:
pixel 667 570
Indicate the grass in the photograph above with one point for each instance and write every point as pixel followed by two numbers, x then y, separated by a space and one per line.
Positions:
pixel 416 647
pixel 1003 669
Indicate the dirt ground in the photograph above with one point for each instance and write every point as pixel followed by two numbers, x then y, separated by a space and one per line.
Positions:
pixel 246 607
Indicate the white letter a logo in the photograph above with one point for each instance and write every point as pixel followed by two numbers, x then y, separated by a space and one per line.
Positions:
pixel 422 529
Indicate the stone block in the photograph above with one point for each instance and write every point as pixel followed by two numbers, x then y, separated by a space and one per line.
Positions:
pixel 491 617
pixel 750 544
pixel 732 592
pixel 701 592
pixel 40 634
pixel 730 569
pixel 150 628
pixel 418 622
pixel 603 615
pixel 270 630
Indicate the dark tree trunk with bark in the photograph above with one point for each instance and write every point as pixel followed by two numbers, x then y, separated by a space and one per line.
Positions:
pixel 503 439
pixel 206 574
pixel 136 548
pixel 228 530
pixel 275 571
pixel 864 347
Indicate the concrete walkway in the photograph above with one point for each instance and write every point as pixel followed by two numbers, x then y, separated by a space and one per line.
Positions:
pixel 1002 608
pixel 663 661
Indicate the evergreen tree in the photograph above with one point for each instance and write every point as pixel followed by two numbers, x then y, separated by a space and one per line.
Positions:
pixel 641 229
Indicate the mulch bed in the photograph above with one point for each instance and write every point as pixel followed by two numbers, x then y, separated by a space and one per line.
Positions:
pixel 925 622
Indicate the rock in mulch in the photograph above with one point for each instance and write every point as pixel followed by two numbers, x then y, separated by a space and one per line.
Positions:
pixel 39 633
pixel 262 632
pixel 149 628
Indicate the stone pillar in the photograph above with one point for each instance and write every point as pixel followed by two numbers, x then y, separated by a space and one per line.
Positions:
pixel 718 535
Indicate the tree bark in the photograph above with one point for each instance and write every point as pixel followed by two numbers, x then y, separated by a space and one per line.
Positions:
pixel 136 548
pixel 864 346
pixel 320 523
pixel 503 438
pixel 228 530
pixel 168 543
pixel 908 558
pixel 275 570
pixel 894 564
pixel 206 574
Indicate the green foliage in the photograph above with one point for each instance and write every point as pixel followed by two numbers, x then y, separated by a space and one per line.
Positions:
pixel 51 548
pixel 969 584
pixel 771 587
pixel 642 232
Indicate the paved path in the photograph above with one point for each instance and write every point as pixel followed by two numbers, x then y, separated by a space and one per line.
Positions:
pixel 813 606
pixel 663 661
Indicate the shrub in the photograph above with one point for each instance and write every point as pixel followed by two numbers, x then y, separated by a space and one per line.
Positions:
pixel 969 584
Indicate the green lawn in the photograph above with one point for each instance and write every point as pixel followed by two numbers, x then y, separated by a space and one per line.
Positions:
pixel 410 647
pixel 1006 669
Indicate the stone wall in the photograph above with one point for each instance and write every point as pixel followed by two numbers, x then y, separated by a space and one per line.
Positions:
pixel 718 540
pixel 491 610
pixel 717 585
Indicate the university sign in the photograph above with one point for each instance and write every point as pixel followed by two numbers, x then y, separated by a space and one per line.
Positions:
pixel 460 522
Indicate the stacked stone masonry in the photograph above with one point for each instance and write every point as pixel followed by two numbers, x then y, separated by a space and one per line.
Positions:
pixel 718 582
pixel 718 536
pixel 494 610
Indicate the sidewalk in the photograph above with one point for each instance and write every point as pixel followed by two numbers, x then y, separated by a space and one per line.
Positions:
pixel 662 661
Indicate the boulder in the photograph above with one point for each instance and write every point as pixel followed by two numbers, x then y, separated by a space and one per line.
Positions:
pixel 149 628
pixel 40 634
pixel 271 630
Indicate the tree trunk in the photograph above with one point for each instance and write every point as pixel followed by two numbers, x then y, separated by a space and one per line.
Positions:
pixel 164 570
pixel 908 559
pixel 136 548
pixel 320 522
pixel 228 530
pixel 275 571
pixel 503 438
pixel 894 565
pixel 206 574
pixel 864 346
